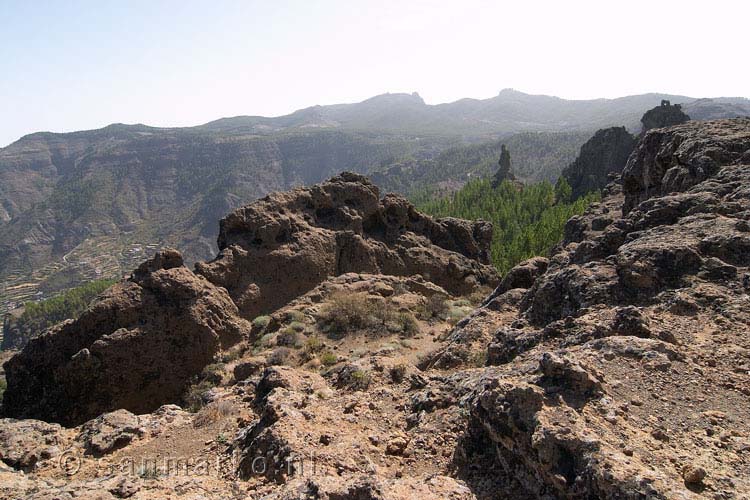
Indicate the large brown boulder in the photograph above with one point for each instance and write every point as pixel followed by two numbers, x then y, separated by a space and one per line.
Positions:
pixel 285 244
pixel 135 348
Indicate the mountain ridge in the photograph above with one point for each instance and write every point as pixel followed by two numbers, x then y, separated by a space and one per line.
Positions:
pixel 505 96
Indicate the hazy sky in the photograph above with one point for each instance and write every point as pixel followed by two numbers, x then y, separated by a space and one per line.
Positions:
pixel 79 65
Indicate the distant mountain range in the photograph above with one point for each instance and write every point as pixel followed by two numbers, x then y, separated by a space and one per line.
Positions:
pixel 510 111
pixel 83 205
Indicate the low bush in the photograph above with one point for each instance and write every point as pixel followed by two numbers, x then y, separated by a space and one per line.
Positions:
pixel 214 412
pixel 397 373
pixel 289 338
pixel 360 380
pixel 294 316
pixel 435 307
pixel 327 358
pixel 408 324
pixel 279 356
pixel 347 312
pixel 261 322
pixel 297 326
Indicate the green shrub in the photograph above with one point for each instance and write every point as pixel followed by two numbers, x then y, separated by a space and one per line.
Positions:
pixel 327 358
pixel 313 344
pixel 456 314
pixel 288 337
pixel 347 312
pixel 408 323
pixel 295 316
pixel 477 296
pixel 478 359
pixel 213 373
pixel 435 307
pixel 360 379
pixel 297 326
pixel 195 395
pixel 261 322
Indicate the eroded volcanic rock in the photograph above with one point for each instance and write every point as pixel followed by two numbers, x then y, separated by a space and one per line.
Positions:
pixel 620 377
pixel 134 348
pixel 677 158
pixel 283 245
pixel 605 153
pixel 664 115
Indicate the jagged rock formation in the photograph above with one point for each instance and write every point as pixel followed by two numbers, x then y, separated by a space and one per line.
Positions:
pixel 282 246
pixel 505 169
pixel 664 115
pixel 605 153
pixel 136 347
pixel 627 348
pixel 678 158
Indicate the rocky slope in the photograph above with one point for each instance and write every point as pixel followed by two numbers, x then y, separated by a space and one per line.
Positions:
pixel 615 368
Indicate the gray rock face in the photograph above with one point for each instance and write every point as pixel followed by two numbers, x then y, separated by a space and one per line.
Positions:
pixel 605 153
pixel 282 246
pixel 677 158
pixel 135 348
pixel 109 432
pixel 523 275
pixel 23 443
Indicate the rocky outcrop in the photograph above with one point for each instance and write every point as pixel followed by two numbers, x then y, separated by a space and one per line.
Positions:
pixel 664 115
pixel 628 344
pixel 677 158
pixel 605 153
pixel 23 443
pixel 284 245
pixel 109 432
pixel 505 169
pixel 135 348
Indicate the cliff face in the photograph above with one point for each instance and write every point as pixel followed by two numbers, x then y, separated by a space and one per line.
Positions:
pixel 605 153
